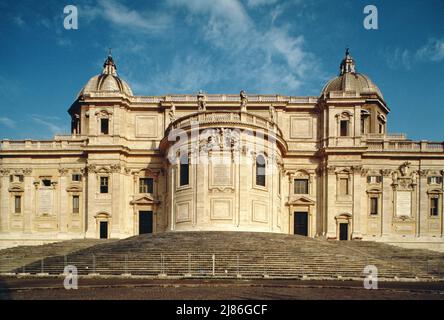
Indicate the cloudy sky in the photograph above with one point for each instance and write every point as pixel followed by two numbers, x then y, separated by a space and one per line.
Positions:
pixel 289 47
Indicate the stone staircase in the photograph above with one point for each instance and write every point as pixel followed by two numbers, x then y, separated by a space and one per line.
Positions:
pixel 18 257
pixel 237 254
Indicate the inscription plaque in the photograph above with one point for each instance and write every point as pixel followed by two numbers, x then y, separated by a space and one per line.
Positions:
pixel 403 203
pixel 45 201
pixel 221 175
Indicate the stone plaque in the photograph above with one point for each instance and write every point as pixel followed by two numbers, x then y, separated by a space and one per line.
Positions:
pixel 403 203
pixel 221 174
pixel 300 128
pixel 45 201
pixel 146 126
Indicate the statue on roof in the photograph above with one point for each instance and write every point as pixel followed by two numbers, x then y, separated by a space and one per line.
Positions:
pixel 244 101
pixel 201 101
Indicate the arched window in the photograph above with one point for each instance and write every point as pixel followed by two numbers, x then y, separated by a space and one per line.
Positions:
pixel 260 170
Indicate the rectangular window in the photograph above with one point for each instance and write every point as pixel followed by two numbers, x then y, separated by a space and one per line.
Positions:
pixel 301 186
pixel 146 185
pixel 374 179
pixel 343 186
pixel 18 204
pixel 103 184
pixel 184 171
pixel 279 183
pixel 46 182
pixel 76 177
pixel 104 126
pixel 435 180
pixel 434 206
pixel 362 125
pixel 16 178
pixel 344 128
pixel 373 206
pixel 260 171
pixel 75 204
pixel 381 128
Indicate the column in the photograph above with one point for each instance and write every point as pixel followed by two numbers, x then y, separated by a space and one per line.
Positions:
pixel 91 196
pixel 27 203
pixel 387 206
pixel 4 200
pixel 115 201
pixel 357 191
pixel 331 200
pixel 65 201
pixel 423 202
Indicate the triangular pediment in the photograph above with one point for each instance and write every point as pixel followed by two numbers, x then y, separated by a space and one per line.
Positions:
pixel 145 200
pixel 301 201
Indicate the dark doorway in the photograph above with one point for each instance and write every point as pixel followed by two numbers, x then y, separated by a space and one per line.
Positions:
pixel 145 222
pixel 301 223
pixel 343 231
pixel 103 229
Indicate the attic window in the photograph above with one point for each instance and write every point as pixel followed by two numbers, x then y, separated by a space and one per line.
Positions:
pixel 434 180
pixel 344 128
pixel 46 182
pixel 16 178
pixel 374 179
pixel 104 126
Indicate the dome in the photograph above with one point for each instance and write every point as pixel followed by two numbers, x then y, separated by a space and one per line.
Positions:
pixel 351 81
pixel 107 81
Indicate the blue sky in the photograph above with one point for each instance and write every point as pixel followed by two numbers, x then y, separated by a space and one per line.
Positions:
pixel 288 47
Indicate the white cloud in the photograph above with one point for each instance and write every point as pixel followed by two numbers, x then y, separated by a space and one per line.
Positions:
pixel 19 21
pixel 51 123
pixel 268 59
pixel 399 59
pixel 123 17
pixel 432 51
pixel 7 122
pixel 257 3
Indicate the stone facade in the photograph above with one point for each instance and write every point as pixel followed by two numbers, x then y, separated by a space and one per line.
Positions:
pixel 318 166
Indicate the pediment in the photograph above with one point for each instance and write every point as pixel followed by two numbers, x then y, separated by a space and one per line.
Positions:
pixel 301 201
pixel 16 188
pixel 145 200
pixel 74 188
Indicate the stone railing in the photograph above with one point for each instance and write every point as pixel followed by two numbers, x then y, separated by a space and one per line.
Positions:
pixel 221 117
pixel 390 136
pixel 405 146
pixel 42 145
pixel 225 98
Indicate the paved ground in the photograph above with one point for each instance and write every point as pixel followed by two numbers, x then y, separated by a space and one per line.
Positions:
pixel 97 289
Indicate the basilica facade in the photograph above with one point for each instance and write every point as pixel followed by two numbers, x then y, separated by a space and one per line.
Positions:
pixel 321 166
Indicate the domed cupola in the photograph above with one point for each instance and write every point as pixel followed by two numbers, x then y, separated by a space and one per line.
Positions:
pixel 349 81
pixel 107 81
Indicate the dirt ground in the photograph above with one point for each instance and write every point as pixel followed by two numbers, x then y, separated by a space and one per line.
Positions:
pixel 147 289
